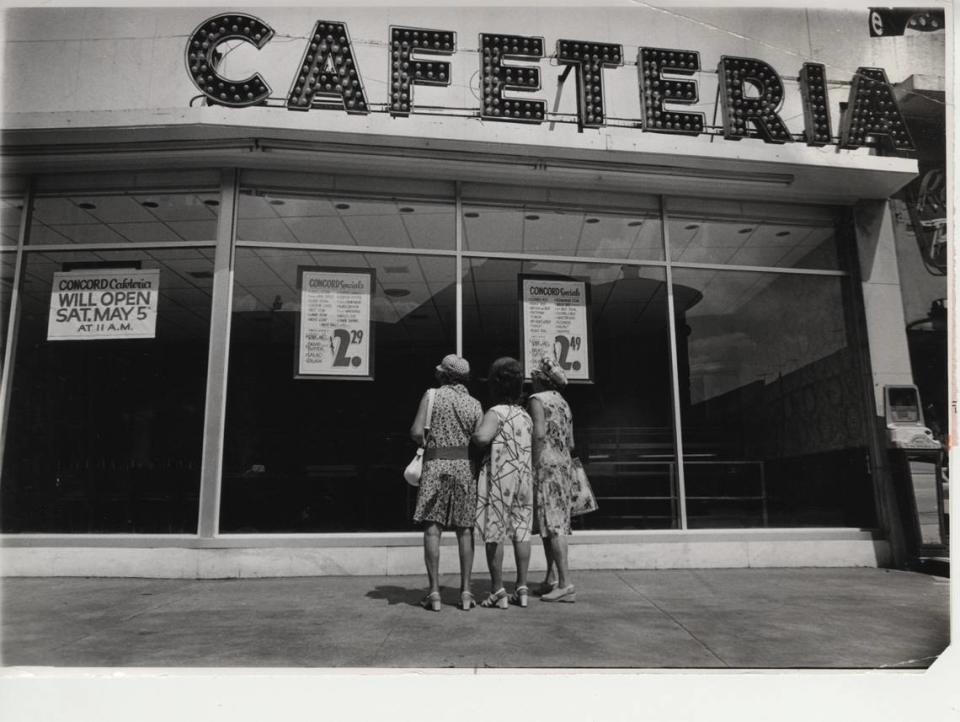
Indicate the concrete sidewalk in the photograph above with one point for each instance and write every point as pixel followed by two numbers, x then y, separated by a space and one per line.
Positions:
pixel 718 618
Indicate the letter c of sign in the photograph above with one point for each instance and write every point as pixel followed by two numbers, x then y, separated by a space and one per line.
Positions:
pixel 202 63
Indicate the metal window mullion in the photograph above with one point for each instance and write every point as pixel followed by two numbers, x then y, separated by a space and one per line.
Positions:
pixel 674 368
pixel 13 324
pixel 459 269
pixel 211 471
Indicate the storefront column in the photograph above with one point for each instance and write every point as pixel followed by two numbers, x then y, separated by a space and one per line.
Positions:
pixel 887 341
pixel 6 379
pixel 217 362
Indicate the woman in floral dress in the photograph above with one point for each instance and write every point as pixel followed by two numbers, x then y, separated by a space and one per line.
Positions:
pixel 447 496
pixel 553 475
pixel 505 483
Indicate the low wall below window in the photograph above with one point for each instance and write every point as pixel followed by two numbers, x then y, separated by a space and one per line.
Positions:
pixel 243 556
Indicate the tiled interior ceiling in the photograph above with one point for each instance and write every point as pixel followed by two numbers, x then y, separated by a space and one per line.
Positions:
pixel 406 285
pixel 126 218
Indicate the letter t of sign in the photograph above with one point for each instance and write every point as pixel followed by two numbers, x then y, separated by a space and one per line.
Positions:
pixel 589 59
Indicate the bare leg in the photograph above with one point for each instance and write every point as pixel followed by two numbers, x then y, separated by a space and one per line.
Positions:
pixel 431 554
pixel 548 553
pixel 521 552
pixel 558 546
pixel 465 544
pixel 495 565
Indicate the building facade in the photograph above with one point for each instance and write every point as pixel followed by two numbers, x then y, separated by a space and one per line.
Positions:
pixel 236 244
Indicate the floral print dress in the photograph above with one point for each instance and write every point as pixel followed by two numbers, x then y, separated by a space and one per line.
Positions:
pixel 505 484
pixel 553 476
pixel 448 487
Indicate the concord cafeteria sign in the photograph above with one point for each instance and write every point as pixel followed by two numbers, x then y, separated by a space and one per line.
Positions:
pixel 750 96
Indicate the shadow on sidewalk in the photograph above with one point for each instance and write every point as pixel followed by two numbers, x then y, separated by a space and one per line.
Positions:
pixel 396 595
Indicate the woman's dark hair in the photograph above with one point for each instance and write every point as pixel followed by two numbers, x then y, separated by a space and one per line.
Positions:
pixel 505 380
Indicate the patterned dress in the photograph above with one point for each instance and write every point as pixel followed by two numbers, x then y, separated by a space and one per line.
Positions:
pixel 448 488
pixel 505 484
pixel 554 475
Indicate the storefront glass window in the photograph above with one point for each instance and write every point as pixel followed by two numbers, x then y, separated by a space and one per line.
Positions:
pixel 7 261
pixel 345 220
pixel 774 421
pixel 622 419
pixel 10 212
pixel 327 453
pixel 107 432
pixel 753 241
pixel 124 218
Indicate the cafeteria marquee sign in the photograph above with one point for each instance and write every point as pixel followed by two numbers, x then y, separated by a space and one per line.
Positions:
pixel 750 95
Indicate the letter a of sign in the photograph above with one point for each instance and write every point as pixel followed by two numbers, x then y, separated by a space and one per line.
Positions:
pixel 328 75
pixel 872 110
pixel 201 63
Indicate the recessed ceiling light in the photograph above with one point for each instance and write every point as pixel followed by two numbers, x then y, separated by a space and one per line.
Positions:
pixel 781 234
pixel 276 202
pixel 150 204
pixel 86 206
pixel 396 292
pixel 691 227
pixel 211 202
pixel 634 224
pixel 406 209
pixel 471 214
pixel 532 218
pixel 745 230
pixel 342 206
pixel 592 220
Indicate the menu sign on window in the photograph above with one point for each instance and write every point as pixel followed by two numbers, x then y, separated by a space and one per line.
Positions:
pixel 335 336
pixel 555 321
pixel 101 303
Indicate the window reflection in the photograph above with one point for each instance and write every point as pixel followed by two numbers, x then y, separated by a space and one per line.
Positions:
pixel 773 420
pixel 326 454
pixel 108 433
pixel 11 210
pixel 622 421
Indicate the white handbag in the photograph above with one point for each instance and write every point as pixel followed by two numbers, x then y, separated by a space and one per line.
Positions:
pixel 415 467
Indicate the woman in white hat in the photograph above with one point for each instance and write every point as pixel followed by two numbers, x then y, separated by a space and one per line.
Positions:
pixel 447 497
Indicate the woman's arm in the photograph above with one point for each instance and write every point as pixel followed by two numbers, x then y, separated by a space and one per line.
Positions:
pixel 420 421
pixel 539 429
pixel 487 429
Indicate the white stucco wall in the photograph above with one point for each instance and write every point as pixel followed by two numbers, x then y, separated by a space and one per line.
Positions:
pixel 126 65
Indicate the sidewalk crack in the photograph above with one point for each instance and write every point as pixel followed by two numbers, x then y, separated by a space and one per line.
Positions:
pixel 673 619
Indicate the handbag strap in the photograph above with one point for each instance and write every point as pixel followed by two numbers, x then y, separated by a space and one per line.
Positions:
pixel 430 394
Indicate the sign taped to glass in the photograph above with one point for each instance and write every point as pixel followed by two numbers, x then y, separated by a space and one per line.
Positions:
pixel 335 338
pixel 103 304
pixel 555 321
